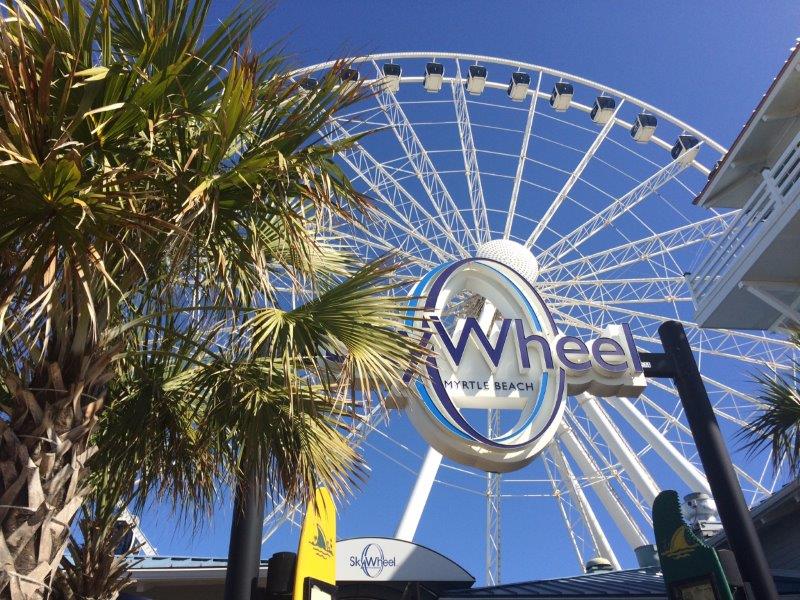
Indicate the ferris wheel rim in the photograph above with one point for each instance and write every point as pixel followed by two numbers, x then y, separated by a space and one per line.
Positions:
pixel 658 112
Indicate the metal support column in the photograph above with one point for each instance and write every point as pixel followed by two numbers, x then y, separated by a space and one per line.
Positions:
pixel 679 364
pixel 493 510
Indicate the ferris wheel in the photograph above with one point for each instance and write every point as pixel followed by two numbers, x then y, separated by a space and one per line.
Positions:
pixel 588 192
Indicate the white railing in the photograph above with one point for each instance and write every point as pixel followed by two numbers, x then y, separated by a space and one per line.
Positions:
pixel 775 191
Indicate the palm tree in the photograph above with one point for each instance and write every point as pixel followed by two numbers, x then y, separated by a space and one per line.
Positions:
pixel 163 189
pixel 777 426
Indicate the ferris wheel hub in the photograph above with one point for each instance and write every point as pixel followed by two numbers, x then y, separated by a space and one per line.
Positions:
pixel 512 254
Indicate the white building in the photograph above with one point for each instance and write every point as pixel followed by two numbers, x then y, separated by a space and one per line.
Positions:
pixel 751 277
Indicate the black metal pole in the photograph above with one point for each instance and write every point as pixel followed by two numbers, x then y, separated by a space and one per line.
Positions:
pixel 244 549
pixel 733 512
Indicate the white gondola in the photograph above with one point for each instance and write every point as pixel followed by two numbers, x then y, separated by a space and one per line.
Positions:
pixel 349 79
pixel 476 81
pixel 518 86
pixel 391 77
pixel 434 74
pixel 561 96
pixel 685 148
pixel 644 127
pixel 603 109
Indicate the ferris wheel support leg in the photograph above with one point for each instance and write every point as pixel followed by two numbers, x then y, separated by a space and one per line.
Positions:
pixel 690 474
pixel 599 539
pixel 419 496
pixel 642 479
pixel 625 523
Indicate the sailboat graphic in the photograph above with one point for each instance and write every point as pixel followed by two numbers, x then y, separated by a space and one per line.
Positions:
pixel 679 544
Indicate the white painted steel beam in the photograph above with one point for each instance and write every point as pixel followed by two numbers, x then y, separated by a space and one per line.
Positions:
pixel 610 213
pixel 599 539
pixel 690 474
pixel 419 496
pixel 523 156
pixel 480 215
pixel 395 197
pixel 573 178
pixel 424 169
pixel 627 526
pixel 640 250
pixel 619 447
pixel 559 496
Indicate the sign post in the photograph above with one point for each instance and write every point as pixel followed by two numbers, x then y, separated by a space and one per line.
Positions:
pixel 678 363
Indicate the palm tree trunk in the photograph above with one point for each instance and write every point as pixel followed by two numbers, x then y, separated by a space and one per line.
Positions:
pixel 43 456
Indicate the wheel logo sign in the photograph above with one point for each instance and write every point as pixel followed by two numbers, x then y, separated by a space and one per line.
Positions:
pixel 474 364
pixel 372 560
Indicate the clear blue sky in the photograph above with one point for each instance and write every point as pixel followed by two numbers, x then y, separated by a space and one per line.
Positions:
pixel 707 63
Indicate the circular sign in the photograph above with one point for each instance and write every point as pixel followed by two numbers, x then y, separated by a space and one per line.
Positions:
pixel 497 358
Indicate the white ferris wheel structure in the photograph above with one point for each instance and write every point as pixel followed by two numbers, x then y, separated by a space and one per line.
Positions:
pixel 598 186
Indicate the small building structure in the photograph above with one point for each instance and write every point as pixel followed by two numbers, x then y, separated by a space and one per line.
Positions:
pixel 751 277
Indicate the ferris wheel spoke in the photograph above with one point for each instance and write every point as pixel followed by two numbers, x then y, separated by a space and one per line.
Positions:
pixel 404 205
pixel 523 155
pixel 598 537
pixel 383 246
pixel 473 174
pixel 640 250
pixel 573 178
pixel 578 236
pixel 418 158
pixel 642 290
pixel 679 464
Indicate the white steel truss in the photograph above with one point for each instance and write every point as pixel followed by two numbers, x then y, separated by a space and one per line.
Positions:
pixel 623 204
pixel 690 474
pixel 573 178
pixel 637 251
pixel 523 154
pixel 418 158
pixel 616 442
pixel 629 529
pixel 473 174
pixel 493 522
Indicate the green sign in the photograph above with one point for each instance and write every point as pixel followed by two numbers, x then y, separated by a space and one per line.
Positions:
pixel 691 569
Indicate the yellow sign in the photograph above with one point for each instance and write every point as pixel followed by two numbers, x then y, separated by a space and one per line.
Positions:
pixel 316 552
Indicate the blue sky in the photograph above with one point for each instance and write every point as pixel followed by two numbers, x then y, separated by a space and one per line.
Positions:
pixel 707 63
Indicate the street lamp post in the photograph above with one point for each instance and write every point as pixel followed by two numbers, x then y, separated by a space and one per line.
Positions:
pixel 678 363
